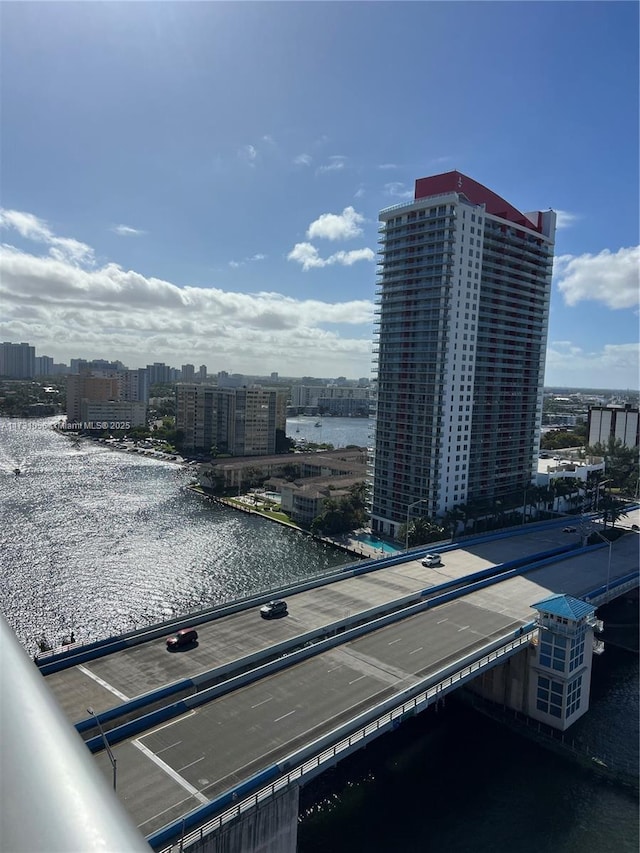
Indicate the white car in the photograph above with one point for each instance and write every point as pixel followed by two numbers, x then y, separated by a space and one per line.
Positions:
pixel 431 560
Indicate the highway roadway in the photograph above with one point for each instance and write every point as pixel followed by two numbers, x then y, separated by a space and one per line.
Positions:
pixel 188 761
pixel 106 682
pixel 169 770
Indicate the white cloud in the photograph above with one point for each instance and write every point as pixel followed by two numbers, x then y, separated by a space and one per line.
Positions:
pixel 68 311
pixel 336 226
pixel 249 154
pixel 268 139
pixel 360 192
pixel 351 257
pixel 608 277
pixel 308 257
pixel 257 257
pixel 303 160
pixel 335 164
pixel 614 366
pixel 564 219
pixel 31 228
pixel 388 166
pixel 126 231
pixel 398 190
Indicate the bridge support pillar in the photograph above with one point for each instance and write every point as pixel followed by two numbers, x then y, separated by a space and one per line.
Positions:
pixel 271 827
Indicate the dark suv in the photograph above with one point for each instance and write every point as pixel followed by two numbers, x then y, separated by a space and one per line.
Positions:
pixel 184 637
pixel 273 608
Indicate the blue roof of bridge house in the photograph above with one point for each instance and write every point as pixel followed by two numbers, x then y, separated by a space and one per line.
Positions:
pixel 565 605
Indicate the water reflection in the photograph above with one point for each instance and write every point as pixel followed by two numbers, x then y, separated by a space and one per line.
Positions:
pixel 101 542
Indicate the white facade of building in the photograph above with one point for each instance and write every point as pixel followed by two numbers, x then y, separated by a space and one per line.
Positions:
pixel 112 412
pixel 463 310
pixel 621 422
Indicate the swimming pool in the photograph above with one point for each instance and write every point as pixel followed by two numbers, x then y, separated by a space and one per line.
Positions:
pixel 374 542
pixel 276 497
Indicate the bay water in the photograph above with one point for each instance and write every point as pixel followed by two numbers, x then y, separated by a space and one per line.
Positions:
pixel 99 542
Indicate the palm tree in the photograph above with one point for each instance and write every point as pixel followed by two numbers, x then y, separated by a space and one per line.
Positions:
pixel 612 509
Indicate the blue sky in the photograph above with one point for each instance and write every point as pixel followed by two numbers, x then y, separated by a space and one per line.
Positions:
pixel 200 182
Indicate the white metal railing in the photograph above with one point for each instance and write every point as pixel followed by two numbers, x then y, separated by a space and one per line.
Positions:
pixel 411 202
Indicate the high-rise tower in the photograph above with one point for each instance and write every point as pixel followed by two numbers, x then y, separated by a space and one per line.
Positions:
pixel 463 310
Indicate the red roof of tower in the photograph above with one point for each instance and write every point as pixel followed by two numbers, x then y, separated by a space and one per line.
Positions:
pixel 476 193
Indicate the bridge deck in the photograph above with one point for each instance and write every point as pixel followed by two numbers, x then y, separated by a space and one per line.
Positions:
pixel 168 771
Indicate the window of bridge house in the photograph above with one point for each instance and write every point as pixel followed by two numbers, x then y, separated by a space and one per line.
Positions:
pixel 576 654
pixel 549 696
pixel 553 652
pixel 574 692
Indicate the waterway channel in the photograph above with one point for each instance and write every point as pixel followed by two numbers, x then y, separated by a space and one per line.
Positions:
pixel 99 542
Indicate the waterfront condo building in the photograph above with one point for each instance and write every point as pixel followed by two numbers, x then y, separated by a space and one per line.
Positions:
pixel 236 421
pixel 17 361
pixel 462 316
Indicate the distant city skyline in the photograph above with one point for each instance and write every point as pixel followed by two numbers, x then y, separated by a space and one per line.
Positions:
pixel 200 183
pixel 278 376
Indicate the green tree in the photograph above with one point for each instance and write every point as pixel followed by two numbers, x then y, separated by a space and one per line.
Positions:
pixel 621 464
pixel 284 444
pixel 420 531
pixel 344 514
pixel 612 509
pixel 556 439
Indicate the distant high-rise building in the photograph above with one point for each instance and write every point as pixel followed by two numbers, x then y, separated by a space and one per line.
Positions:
pixel 83 388
pixel 619 422
pixel 159 373
pixel 43 365
pixel 463 310
pixel 76 364
pixel 134 385
pixel 238 421
pixel 17 361
pixel 202 373
pixel 188 373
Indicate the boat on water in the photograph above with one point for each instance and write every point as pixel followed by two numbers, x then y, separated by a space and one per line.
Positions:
pixel 17 472
pixel 317 423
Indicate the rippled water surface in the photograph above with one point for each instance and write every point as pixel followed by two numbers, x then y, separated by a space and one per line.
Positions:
pixel 99 541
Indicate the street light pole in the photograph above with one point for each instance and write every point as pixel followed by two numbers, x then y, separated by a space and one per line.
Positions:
pixel 609 543
pixel 524 502
pixel 409 508
pixel 598 487
pixel 112 757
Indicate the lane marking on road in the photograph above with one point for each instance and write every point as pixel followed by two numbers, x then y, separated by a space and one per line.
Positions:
pixel 464 628
pixel 264 702
pixel 170 771
pixel 441 621
pixel 333 669
pixel 416 650
pixel 202 757
pixel 357 679
pixel 154 817
pixel 277 719
pixel 394 641
pixel 164 748
pixel 103 683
